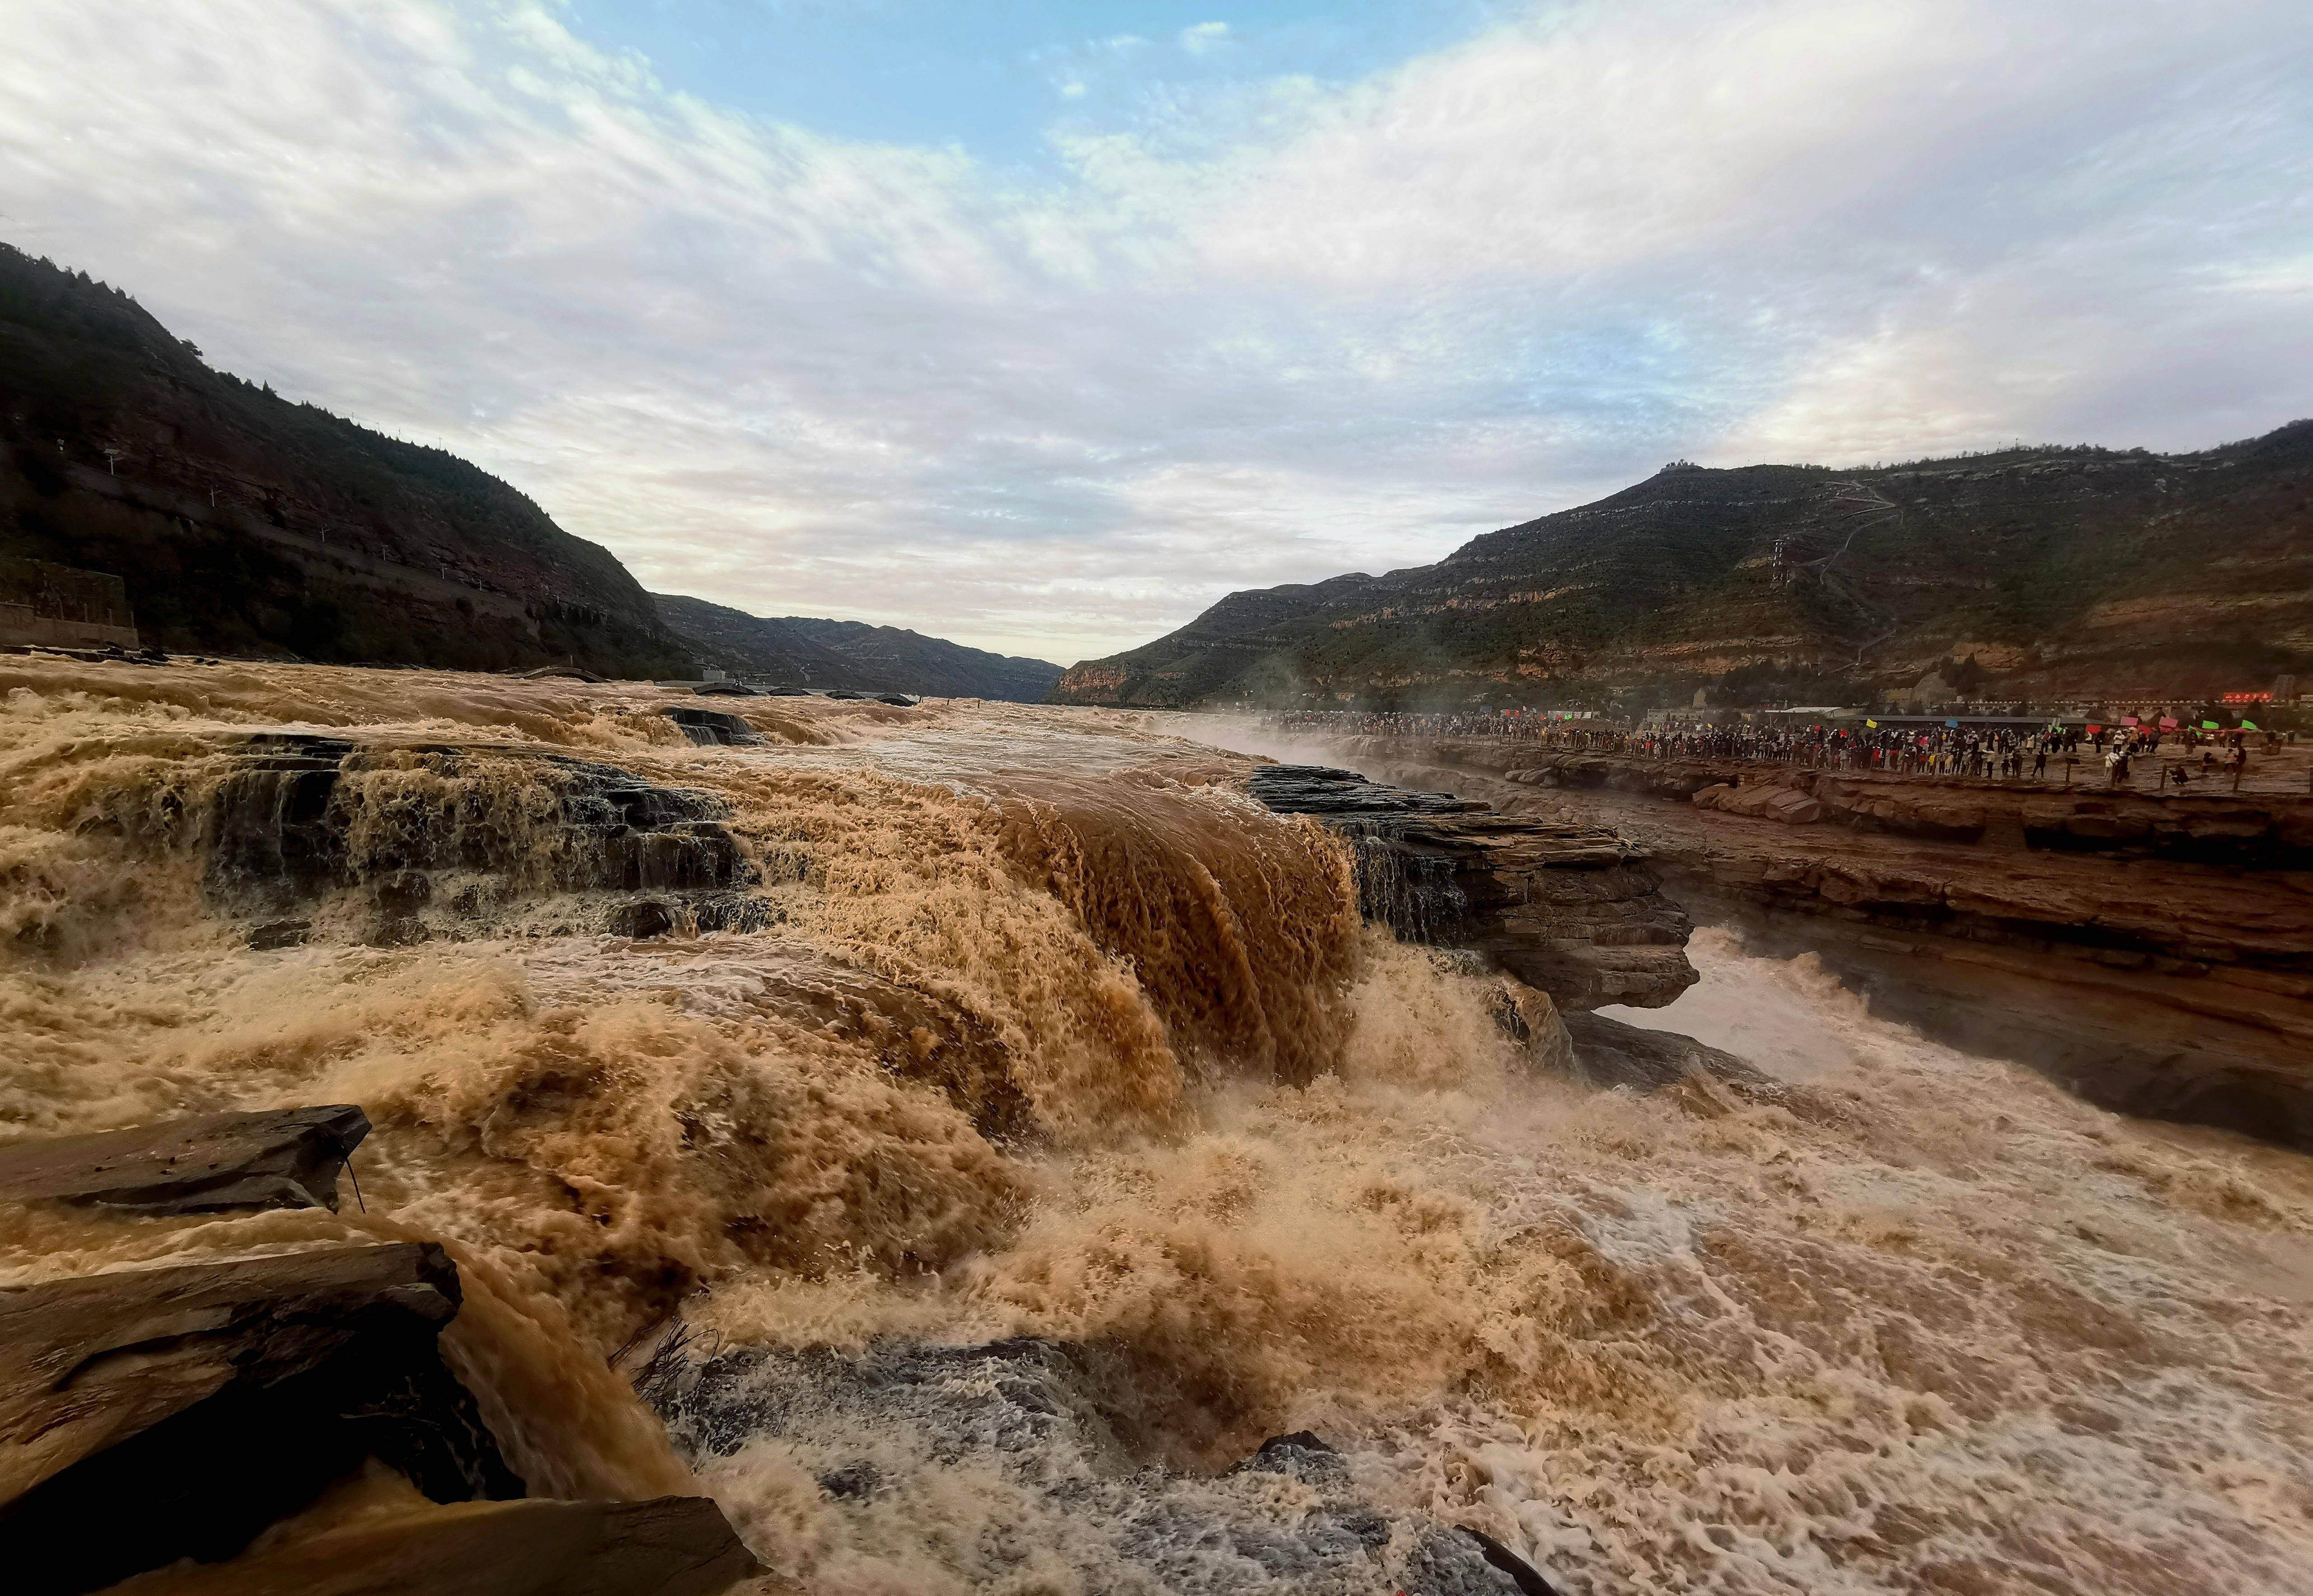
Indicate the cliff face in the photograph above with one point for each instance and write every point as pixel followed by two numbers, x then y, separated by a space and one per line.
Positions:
pixel 243 523
pixel 2060 570
pixel 2156 953
pixel 849 653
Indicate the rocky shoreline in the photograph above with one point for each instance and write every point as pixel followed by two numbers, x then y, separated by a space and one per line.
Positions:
pixel 2155 952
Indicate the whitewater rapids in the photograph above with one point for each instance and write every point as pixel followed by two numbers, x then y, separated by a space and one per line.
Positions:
pixel 1931 1325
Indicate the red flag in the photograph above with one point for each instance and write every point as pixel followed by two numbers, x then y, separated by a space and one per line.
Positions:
pixel 2094 729
pixel 2167 722
pixel 2128 720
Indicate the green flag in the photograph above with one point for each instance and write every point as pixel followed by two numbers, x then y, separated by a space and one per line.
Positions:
pixel 2251 726
pixel 2211 726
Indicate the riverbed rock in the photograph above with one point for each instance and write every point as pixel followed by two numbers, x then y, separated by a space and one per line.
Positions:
pixel 673 1546
pixel 218 1397
pixel 273 1158
pixel 1610 1053
pixel 1063 1430
pixel 1573 910
pixel 444 840
pixel 713 728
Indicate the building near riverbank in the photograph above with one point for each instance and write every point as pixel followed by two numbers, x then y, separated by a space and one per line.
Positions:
pixel 44 602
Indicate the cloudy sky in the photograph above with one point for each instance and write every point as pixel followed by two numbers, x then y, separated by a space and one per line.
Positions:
pixel 1041 325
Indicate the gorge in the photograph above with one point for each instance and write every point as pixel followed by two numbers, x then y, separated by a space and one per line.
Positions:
pixel 981 1146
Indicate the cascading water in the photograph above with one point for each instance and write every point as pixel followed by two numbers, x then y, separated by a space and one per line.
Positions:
pixel 1053 1134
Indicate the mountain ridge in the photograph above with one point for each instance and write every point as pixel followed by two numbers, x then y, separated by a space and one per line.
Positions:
pixel 806 651
pixel 2055 568
pixel 244 522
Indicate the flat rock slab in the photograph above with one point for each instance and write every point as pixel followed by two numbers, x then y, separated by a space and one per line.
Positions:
pixel 674 1546
pixel 275 1158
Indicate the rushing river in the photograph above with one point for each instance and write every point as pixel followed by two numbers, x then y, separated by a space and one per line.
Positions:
pixel 1139 1088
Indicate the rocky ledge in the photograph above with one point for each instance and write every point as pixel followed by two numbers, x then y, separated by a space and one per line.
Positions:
pixel 1570 910
pixel 2154 952
pixel 419 840
pixel 157 1424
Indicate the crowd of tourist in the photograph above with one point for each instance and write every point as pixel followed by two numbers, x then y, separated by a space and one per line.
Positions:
pixel 2118 755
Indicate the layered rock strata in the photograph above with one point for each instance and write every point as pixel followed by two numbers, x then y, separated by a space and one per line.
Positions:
pixel 2154 952
pixel 441 839
pixel 155 1422
pixel 1571 910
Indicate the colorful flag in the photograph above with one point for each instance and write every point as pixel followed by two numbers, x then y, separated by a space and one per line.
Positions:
pixel 2211 726
pixel 1951 723
pixel 2251 726
pixel 2167 722
pixel 1870 722
pixel 2130 720
pixel 2093 729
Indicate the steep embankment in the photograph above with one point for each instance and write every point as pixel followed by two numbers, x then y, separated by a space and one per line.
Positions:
pixel 245 523
pixel 2058 570
pixel 2154 952
pixel 850 653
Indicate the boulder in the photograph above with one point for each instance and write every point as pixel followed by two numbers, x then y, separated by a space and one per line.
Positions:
pixel 1609 1053
pixel 674 1546
pixel 712 728
pixel 218 1397
pixel 1572 910
pixel 274 1158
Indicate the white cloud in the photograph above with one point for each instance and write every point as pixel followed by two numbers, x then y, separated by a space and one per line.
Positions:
pixel 1256 332
pixel 1204 37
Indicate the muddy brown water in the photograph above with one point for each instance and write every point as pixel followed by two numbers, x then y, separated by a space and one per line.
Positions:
pixel 1951 1329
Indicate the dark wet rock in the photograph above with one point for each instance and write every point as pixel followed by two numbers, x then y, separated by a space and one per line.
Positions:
pixel 1455 1573
pixel 403 892
pixel 787 692
pixel 295 816
pixel 274 1158
pixel 725 689
pixel 1066 1428
pixel 218 1397
pixel 1608 1053
pixel 641 920
pixel 1571 910
pixel 571 673
pixel 852 1481
pixel 1301 1455
pixel 673 1546
pixel 899 700
pixel 844 693
pixel 279 933
pixel 712 728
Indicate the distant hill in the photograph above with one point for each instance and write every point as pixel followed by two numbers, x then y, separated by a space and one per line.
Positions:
pixel 243 523
pixel 850 653
pixel 2058 570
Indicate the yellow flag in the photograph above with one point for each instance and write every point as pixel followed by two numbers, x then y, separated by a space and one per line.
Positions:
pixel 1870 722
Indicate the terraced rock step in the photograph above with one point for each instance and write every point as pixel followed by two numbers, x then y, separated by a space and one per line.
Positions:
pixel 1572 910
pixel 442 838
